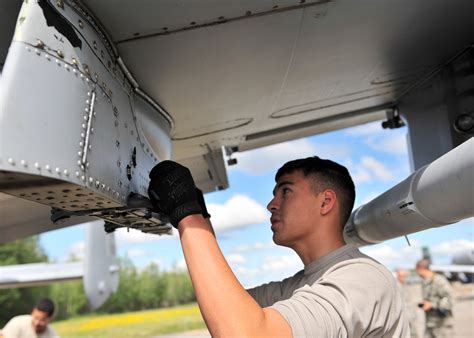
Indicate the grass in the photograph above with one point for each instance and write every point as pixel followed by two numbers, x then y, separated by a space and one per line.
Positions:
pixel 133 324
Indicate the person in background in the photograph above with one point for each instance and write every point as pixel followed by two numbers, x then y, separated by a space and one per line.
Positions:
pixel 35 325
pixel 437 302
pixel 410 304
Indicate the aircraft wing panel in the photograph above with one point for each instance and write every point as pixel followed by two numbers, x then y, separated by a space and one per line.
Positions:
pixel 227 71
pixel 39 274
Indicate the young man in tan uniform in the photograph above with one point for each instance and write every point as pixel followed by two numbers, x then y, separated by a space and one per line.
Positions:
pixel 35 325
pixel 340 293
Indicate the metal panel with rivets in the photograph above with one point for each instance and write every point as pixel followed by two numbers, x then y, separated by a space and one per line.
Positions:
pixel 86 148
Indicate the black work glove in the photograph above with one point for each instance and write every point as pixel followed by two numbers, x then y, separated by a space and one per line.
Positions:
pixel 202 203
pixel 172 191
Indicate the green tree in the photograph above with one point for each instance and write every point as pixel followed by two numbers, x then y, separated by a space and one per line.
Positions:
pixel 20 300
pixel 69 298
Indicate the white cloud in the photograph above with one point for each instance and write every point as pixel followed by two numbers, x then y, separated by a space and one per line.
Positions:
pixel 452 247
pixel 255 247
pixel 76 250
pixel 125 236
pixel 369 169
pixel 132 253
pixel 278 263
pixel 236 259
pixel 382 140
pixel 260 161
pixel 377 168
pixel 239 211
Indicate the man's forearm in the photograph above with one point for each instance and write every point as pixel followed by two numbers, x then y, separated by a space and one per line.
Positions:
pixel 227 308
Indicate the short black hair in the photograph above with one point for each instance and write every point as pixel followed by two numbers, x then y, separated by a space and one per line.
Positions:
pixel 327 175
pixel 45 305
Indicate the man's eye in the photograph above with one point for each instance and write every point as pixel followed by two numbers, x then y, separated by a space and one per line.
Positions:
pixel 285 190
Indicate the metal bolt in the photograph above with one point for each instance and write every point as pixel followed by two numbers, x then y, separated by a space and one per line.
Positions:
pixel 94 44
pixel 81 24
pixel 39 44
pixel 37 166
pixel 82 167
pixel 11 161
pixel 77 173
pixel 84 126
pixel 23 163
pixel 97 184
pixel 58 170
pixel 79 162
pixel 79 153
pixel 60 4
pixel 66 172
pixel 75 63
pixel 37 52
pixel 47 57
pixel 83 178
pixel 59 53
pixel 91 179
pixel 48 168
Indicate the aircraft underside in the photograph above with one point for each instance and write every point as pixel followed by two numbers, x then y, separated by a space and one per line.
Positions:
pixel 90 104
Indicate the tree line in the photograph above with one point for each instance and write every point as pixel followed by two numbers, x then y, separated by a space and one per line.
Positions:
pixel 139 289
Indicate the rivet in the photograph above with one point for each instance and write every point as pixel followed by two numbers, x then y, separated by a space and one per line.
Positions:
pixel 23 163
pixel 102 186
pixel 88 93
pixel 28 49
pixel 88 164
pixel 82 135
pixel 39 44
pixel 77 173
pixel 88 102
pixel 37 52
pixel 60 4
pixel 58 63
pixel 84 126
pixel 66 67
pixel 91 179
pixel 58 170
pixel 90 146
pixel 47 57
pixel 74 70
pixel 37 166
pixel 81 24
pixel 82 167
pixel 86 118
pixel 79 153
pixel 83 178
pixel 75 63
pixel 81 75
pixel 86 69
pixel 79 162
pixel 87 79
pixel 95 45
pixel 92 130
pixel 86 109
pixel 48 168
pixel 59 53
pixel 11 161
pixel 97 184
pixel 66 172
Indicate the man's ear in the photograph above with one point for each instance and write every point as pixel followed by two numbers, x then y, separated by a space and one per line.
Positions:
pixel 328 202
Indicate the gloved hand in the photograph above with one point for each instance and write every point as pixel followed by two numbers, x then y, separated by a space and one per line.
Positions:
pixel 173 192
pixel 202 203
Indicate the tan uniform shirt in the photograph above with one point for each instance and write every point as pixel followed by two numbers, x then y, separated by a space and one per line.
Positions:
pixel 21 327
pixel 343 294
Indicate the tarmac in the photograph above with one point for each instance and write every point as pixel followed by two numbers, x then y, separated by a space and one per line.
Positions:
pixel 463 313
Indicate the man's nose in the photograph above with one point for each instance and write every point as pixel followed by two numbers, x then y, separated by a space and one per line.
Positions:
pixel 272 205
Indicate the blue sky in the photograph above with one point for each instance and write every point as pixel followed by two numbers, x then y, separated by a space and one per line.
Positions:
pixel 377 160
